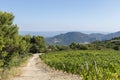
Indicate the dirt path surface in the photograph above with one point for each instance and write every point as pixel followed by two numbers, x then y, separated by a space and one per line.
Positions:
pixel 37 70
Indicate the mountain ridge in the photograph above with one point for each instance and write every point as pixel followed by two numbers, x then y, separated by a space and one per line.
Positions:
pixel 79 37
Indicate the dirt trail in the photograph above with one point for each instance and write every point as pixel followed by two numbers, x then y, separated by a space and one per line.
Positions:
pixel 37 70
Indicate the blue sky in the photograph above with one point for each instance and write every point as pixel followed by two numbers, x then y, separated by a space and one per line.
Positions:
pixel 64 15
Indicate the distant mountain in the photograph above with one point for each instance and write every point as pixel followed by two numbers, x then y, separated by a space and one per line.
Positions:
pixel 111 35
pixel 67 38
pixel 97 36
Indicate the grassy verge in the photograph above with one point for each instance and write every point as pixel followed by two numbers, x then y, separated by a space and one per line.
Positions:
pixel 15 70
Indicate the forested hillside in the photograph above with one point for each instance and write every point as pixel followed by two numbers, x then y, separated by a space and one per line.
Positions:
pixel 78 37
pixel 68 38
pixel 108 44
pixel 15 49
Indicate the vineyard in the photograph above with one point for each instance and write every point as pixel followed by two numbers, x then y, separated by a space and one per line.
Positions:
pixel 89 64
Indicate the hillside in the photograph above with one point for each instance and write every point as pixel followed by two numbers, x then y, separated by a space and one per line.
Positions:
pixel 111 35
pixel 67 38
pixel 97 36
pixel 111 44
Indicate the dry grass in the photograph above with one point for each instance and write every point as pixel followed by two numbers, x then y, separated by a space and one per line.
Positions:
pixel 15 71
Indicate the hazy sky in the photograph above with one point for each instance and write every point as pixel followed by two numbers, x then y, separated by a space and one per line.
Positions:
pixel 64 15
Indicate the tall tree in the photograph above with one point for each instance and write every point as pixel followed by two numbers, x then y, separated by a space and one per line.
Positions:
pixel 38 44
